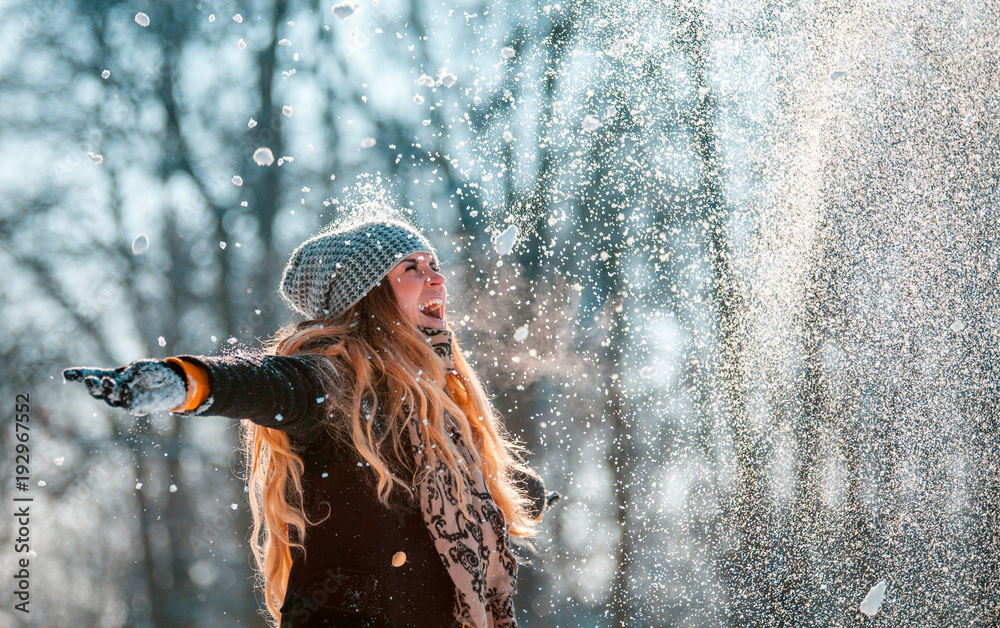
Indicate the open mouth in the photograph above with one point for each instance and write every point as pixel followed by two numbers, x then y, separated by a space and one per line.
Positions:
pixel 434 308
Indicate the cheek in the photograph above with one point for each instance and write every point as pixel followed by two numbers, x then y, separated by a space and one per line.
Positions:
pixel 397 290
pixel 407 293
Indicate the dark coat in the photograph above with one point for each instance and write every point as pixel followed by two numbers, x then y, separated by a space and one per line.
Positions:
pixel 346 576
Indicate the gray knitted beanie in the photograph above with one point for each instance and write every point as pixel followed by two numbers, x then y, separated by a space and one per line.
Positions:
pixel 333 270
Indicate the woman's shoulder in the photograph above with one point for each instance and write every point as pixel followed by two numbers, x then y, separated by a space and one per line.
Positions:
pixel 324 442
pixel 321 353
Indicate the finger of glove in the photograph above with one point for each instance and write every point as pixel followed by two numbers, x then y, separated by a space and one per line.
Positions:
pixel 104 388
pixel 80 373
pixel 125 397
pixel 93 385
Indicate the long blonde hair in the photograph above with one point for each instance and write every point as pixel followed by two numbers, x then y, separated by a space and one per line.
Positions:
pixel 373 363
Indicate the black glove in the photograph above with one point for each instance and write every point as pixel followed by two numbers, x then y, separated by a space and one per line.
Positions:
pixel 551 498
pixel 535 489
pixel 141 387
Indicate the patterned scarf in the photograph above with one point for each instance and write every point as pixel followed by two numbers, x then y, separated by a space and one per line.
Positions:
pixel 472 542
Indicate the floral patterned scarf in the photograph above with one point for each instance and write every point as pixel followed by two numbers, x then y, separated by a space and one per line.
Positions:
pixel 473 542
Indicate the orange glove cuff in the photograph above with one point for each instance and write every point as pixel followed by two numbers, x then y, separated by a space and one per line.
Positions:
pixel 197 384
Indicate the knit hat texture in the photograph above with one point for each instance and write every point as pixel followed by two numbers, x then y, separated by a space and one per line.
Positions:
pixel 333 270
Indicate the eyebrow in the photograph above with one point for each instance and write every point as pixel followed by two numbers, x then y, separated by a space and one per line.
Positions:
pixel 415 258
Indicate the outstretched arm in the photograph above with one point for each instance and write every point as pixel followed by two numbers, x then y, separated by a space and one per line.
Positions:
pixel 280 392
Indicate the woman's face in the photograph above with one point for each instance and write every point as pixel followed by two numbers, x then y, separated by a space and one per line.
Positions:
pixel 419 290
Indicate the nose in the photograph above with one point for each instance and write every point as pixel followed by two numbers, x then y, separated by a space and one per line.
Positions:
pixel 435 278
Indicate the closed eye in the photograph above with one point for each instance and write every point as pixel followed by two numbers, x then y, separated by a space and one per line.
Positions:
pixel 434 268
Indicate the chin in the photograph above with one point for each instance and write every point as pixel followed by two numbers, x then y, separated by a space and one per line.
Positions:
pixel 430 321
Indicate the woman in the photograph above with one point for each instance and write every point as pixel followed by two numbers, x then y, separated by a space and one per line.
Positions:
pixel 382 486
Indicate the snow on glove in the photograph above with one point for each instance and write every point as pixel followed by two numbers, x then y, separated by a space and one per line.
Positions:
pixel 141 387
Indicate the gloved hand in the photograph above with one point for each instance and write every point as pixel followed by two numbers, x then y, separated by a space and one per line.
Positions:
pixel 551 498
pixel 141 387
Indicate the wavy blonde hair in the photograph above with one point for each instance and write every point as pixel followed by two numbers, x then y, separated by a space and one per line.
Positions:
pixel 373 363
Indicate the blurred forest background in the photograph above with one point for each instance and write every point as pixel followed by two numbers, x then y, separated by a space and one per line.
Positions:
pixel 748 328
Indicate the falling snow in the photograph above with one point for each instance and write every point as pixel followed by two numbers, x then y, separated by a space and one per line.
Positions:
pixel 345 10
pixel 446 78
pixel 263 156
pixel 590 123
pixel 505 240
pixel 873 600
pixel 747 331
pixel 140 244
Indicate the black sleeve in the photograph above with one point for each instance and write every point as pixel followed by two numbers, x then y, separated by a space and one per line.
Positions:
pixel 280 392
